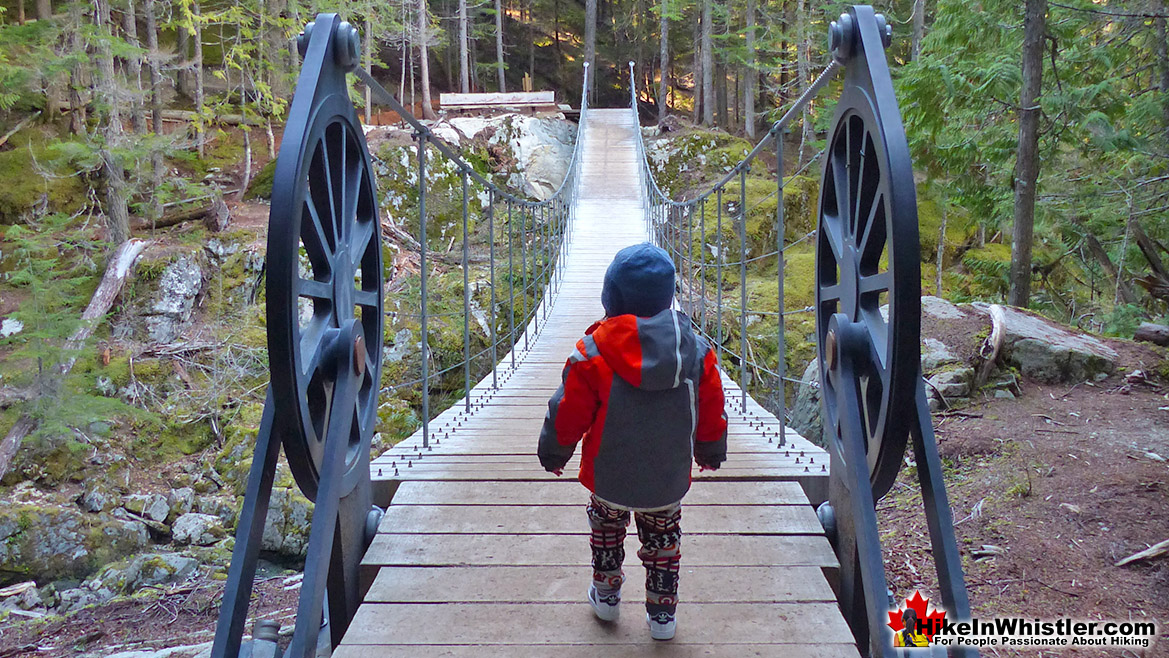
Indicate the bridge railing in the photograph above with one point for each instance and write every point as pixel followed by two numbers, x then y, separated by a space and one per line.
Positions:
pixel 703 261
pixel 526 270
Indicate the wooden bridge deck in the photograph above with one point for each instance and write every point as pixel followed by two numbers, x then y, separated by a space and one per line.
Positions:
pixel 483 553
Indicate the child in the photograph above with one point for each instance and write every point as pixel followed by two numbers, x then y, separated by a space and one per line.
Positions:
pixel 644 393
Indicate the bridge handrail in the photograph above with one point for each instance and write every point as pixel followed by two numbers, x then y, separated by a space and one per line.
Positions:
pixel 555 210
pixel 660 208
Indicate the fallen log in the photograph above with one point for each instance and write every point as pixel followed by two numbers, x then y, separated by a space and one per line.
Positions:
pixel 1157 334
pixel 120 266
pixel 215 216
pixel 227 119
pixel 402 238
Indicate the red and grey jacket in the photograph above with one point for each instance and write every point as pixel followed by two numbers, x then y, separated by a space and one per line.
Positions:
pixel 645 396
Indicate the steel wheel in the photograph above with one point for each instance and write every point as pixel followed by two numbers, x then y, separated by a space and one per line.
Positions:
pixel 324 267
pixel 867 255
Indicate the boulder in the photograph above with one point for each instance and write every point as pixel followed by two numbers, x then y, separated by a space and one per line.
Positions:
pixel 174 303
pixel 1050 353
pixel 72 600
pixel 144 571
pixel 286 528
pixel 181 500
pixel 951 383
pixel 42 541
pixel 935 354
pixel 940 308
pixel 197 529
pixel 157 508
pixel 805 411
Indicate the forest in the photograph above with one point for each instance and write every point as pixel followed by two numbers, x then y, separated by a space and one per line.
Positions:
pixel 137 152
pixel 1037 118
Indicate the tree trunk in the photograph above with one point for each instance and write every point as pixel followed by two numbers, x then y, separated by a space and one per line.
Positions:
pixel 696 89
pixel 54 100
pixel 707 66
pixel 278 44
pixel 77 78
pixel 424 59
pixel 1162 48
pixel 1027 158
pixel 182 52
pixel 803 49
pixel 1124 291
pixel 499 63
pixel 664 58
pixel 531 47
pixel 368 38
pixel 918 29
pixel 941 256
pixel 750 75
pixel 134 69
pixel 105 88
pixel 200 133
pixel 464 77
pixel 590 53
pixel 1147 248
pixel 156 164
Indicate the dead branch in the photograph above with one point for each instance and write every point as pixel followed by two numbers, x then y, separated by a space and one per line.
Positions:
pixel 120 266
pixel 994 342
pixel 407 241
pixel 1155 551
pixel 16 129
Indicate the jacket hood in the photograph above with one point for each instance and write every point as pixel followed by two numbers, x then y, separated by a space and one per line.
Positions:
pixel 654 354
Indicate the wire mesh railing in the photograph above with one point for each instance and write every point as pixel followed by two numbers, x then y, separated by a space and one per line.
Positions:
pixel 712 256
pixel 526 241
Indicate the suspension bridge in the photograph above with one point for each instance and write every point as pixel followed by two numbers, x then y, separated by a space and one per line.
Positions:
pixel 456 542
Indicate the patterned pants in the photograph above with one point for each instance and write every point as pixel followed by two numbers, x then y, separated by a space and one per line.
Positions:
pixel 660 533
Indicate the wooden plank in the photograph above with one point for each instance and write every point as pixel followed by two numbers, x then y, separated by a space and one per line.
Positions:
pixel 644 648
pixel 496 99
pixel 561 623
pixel 571 519
pixel 568 493
pixel 572 550
pixel 568 584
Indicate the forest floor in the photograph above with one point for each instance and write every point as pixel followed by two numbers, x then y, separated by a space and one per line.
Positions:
pixel 1049 490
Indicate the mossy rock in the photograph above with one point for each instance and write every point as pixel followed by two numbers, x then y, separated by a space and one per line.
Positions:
pixel 23 185
pixel 47 542
pixel 261 185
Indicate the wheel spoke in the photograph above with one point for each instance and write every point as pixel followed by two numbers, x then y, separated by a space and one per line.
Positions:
pixel 359 241
pixel 313 288
pixel 840 187
pixel 832 235
pixel 880 282
pixel 323 238
pixel 330 187
pixel 858 191
pixel 830 293
pixel 366 298
pixel 878 203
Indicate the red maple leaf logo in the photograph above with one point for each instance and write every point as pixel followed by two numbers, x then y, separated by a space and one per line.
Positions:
pixel 929 622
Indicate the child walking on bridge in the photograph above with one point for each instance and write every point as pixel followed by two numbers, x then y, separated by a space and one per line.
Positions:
pixel 644 393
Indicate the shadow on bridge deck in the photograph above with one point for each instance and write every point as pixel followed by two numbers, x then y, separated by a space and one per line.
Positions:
pixel 484 553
